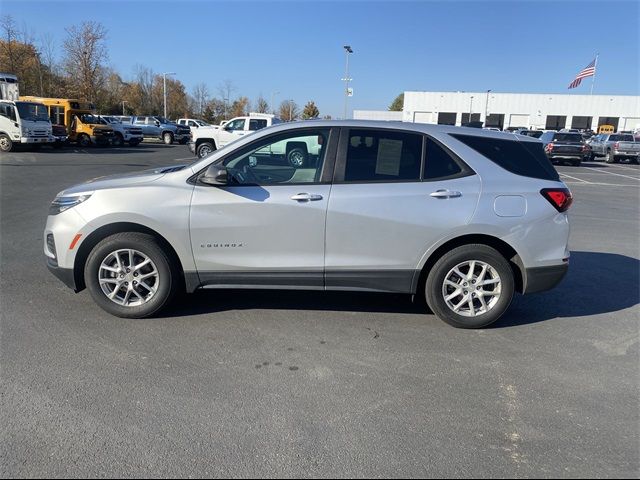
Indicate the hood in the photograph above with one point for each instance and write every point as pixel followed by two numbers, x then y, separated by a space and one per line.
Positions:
pixel 121 180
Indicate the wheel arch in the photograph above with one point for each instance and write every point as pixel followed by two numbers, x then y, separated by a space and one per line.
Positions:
pixel 506 250
pixel 105 231
pixel 200 141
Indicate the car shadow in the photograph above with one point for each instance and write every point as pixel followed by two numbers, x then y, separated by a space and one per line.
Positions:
pixel 596 283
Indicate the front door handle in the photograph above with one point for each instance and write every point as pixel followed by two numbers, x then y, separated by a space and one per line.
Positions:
pixel 445 194
pixel 306 197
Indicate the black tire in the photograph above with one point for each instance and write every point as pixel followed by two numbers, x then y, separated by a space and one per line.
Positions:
pixel 118 140
pixel 297 157
pixel 205 149
pixel 183 141
pixel 84 140
pixel 167 138
pixel 435 282
pixel 576 163
pixel 6 145
pixel 134 143
pixel 609 157
pixel 168 274
pixel 57 145
pixel 592 157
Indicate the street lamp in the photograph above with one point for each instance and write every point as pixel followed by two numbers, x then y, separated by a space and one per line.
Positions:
pixel 290 110
pixel 486 108
pixel 347 50
pixel 470 108
pixel 273 94
pixel 164 87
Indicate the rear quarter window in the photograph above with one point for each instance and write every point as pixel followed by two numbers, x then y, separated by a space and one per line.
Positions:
pixel 526 158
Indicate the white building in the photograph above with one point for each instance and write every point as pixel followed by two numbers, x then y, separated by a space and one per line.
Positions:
pixel 502 110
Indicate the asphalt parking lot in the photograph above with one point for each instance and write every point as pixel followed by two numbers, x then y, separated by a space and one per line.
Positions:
pixel 311 384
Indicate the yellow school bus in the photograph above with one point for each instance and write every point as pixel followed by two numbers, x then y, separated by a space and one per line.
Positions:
pixel 606 129
pixel 78 118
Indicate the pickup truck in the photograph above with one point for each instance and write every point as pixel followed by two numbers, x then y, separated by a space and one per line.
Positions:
pixel 123 133
pixel 206 140
pixel 162 129
pixel 565 147
pixel 615 147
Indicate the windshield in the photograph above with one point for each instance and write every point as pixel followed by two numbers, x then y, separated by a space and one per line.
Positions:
pixel 32 111
pixel 92 119
pixel 110 119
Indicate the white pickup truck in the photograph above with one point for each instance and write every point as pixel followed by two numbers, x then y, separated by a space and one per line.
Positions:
pixel 205 140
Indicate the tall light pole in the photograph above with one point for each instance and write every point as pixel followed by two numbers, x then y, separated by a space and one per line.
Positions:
pixel 123 102
pixel 290 110
pixel 346 79
pixel 470 108
pixel 273 94
pixel 164 87
pixel 486 108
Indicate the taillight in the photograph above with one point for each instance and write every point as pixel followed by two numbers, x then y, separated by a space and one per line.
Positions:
pixel 585 148
pixel 560 198
pixel 549 147
pixel 616 146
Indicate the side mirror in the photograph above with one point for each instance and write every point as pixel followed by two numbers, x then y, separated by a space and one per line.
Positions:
pixel 157 123
pixel 215 175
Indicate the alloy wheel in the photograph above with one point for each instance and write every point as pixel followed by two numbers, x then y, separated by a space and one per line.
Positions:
pixel 472 288
pixel 128 277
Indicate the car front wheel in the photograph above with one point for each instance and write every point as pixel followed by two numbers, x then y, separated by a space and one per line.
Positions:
pixel 470 286
pixel 130 276
pixel 167 138
pixel 205 149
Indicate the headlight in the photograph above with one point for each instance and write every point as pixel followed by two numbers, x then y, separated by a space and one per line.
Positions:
pixel 60 204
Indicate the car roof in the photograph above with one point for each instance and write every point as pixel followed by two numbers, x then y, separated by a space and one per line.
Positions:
pixel 426 128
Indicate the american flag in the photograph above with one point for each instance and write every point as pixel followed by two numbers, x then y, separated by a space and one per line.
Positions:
pixel 588 71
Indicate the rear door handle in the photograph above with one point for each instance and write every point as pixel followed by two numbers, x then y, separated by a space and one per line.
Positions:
pixel 306 197
pixel 445 194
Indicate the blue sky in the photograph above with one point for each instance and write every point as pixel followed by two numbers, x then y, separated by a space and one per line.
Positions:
pixel 295 48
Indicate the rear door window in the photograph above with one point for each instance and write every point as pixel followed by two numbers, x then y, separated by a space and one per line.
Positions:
pixel 257 123
pixel 383 156
pixel 440 163
pixel 526 158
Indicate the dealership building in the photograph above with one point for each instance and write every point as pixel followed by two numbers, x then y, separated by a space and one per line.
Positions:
pixel 503 110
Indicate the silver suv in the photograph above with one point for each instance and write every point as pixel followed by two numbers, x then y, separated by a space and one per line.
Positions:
pixel 461 216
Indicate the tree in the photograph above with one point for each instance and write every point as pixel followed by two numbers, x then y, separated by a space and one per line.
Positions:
pixel 240 107
pixel 214 111
pixel 289 110
pixel 85 57
pixel 261 105
pixel 18 55
pixel 200 97
pixel 310 111
pixel 397 104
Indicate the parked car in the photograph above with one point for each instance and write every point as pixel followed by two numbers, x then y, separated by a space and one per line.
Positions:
pixel 160 128
pixel 60 137
pixel 615 147
pixel 123 132
pixel 464 217
pixel 533 133
pixel 205 140
pixel 565 147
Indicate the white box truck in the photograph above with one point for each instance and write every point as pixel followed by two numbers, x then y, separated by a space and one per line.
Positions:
pixel 21 122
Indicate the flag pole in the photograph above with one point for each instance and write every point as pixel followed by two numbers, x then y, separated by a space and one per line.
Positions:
pixel 595 70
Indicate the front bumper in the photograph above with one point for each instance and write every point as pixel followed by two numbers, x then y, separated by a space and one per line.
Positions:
pixel 101 140
pixel 540 279
pixel 65 275
pixel 36 140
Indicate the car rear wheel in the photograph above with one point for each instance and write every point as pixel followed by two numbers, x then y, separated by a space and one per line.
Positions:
pixel 470 286
pixel 576 163
pixel 297 157
pixel 134 143
pixel 609 157
pixel 205 149
pixel 167 138
pixel 130 276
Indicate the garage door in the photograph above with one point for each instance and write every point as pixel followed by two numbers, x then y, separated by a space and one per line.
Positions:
pixel 423 117
pixel 631 123
pixel 519 120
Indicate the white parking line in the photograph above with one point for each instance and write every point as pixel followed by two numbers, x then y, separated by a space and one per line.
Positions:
pixel 611 173
pixel 600 184
pixel 574 178
pixel 626 168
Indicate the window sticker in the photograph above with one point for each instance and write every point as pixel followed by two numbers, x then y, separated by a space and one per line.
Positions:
pixel 389 156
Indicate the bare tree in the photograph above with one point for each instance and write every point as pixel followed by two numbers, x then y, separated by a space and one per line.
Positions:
pixel 47 50
pixel 261 105
pixel 85 56
pixel 289 110
pixel 200 97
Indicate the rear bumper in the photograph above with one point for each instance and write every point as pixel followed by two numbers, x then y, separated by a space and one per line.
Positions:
pixel 540 279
